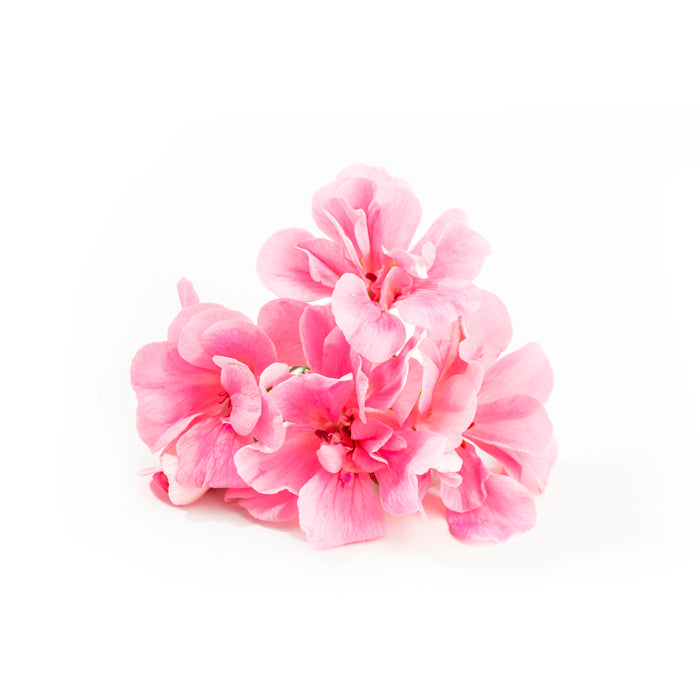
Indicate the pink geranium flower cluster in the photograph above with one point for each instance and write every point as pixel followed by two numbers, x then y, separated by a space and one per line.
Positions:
pixel 339 413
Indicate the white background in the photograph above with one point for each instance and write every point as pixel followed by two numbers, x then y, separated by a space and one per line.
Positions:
pixel 141 142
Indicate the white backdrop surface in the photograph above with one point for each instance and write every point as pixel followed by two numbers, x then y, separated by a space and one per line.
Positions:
pixel 145 143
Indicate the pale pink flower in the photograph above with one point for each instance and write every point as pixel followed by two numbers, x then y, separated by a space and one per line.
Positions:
pixel 367 263
pixel 204 393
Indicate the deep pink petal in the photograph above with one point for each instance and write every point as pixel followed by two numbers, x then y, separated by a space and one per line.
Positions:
pixel 244 392
pixel 471 492
pixel 284 269
pixel 206 454
pixel 279 320
pixel 525 371
pixel 507 510
pixel 337 509
pixel 289 467
pixel 515 422
pixel 373 333
pixel 312 399
pixel 170 393
pixel 488 330
pixel 275 507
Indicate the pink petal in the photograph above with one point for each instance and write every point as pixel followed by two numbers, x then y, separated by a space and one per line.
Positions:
pixel 408 397
pixel 170 393
pixel 190 343
pixel 242 341
pixel 488 331
pixel 438 303
pixel 387 379
pixel 206 455
pixel 337 509
pixel 289 467
pixel 327 261
pixel 398 482
pixel 244 393
pixel 525 371
pixel 314 326
pixel 437 228
pixel 532 470
pixel 331 457
pixel 373 333
pixel 178 495
pixel 269 430
pixel 454 404
pixel 284 269
pixel 507 510
pixel 515 422
pixel 276 507
pixel 311 399
pixel 459 251
pixel 372 434
pixel 191 322
pixel 279 320
pixel 395 214
pixel 188 296
pixel 186 313
pixel 471 492
pixel 399 491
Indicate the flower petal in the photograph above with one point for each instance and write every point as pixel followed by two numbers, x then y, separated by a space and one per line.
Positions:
pixel 373 333
pixel 488 330
pixel 525 371
pixel 206 454
pixel 241 341
pixel 289 467
pixel 179 495
pixel 438 303
pixel 170 393
pixel 515 422
pixel 274 507
pixel 312 399
pixel 284 269
pixel 337 509
pixel 471 492
pixel 244 392
pixel 279 320
pixel 507 510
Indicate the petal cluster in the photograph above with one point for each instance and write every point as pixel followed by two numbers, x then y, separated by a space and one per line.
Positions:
pixel 377 378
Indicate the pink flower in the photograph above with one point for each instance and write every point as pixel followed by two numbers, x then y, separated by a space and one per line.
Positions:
pixel 368 266
pixel 203 394
pixel 331 456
